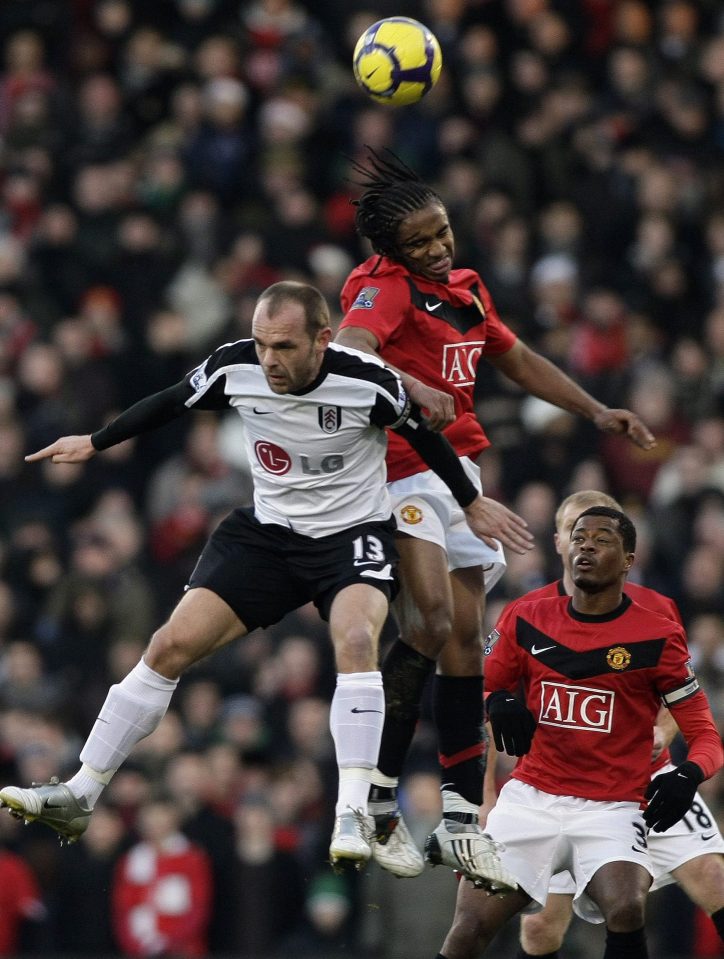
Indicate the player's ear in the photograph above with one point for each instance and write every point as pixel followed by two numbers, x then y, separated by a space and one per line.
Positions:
pixel 628 561
pixel 323 337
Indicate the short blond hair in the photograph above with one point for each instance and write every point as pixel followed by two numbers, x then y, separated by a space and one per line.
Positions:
pixel 584 499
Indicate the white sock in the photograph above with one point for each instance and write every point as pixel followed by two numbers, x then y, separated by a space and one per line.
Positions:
pixel 133 709
pixel 356 718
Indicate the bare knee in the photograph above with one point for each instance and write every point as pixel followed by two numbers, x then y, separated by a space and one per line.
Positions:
pixel 625 913
pixel 463 654
pixel 468 935
pixel 168 653
pixel 542 932
pixel 702 879
pixel 477 919
pixel 429 629
pixel 356 649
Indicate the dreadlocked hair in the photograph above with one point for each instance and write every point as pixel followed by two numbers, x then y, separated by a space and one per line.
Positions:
pixel 391 191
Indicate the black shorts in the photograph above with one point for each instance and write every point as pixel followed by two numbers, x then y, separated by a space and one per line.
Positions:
pixel 264 571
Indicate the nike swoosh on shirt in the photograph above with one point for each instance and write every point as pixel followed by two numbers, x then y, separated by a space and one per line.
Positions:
pixel 432 306
pixel 356 710
pixel 710 836
pixel 262 412
pixel 544 649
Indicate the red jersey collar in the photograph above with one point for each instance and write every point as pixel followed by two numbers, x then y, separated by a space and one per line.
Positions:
pixel 457 290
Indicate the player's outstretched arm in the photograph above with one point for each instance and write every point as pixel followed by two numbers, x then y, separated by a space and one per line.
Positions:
pixel 67 449
pixel 627 424
pixel 491 520
pixel 541 378
pixel 147 414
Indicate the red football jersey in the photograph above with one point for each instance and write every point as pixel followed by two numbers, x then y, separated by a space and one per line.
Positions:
pixel 594 685
pixel 436 332
pixel 644 596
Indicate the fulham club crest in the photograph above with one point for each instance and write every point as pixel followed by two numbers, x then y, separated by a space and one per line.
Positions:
pixel 330 418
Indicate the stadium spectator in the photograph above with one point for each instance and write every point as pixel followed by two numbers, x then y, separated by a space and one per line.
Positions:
pixel 162 889
pixel 84 925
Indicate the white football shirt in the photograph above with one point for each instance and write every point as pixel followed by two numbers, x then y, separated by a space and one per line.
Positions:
pixel 317 456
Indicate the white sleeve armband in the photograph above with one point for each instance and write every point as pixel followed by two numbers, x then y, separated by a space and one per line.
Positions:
pixel 406 406
pixel 675 696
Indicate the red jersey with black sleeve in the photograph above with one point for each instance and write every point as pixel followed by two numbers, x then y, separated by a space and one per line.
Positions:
pixel 436 332
pixel 594 685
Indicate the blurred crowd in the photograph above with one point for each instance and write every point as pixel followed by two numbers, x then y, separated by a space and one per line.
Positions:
pixel 161 164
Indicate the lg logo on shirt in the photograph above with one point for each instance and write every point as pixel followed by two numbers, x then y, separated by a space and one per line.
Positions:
pixel 274 459
pixel 576 707
pixel 460 361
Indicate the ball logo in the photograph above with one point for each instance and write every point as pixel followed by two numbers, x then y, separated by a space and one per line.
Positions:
pixel 411 514
pixel 618 657
pixel 272 457
pixel 365 298
pixel 490 642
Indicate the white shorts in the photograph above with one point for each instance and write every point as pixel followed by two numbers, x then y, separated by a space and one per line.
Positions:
pixel 545 834
pixel 696 834
pixel 425 508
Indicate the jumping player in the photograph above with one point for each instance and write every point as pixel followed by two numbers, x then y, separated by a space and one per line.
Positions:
pixel 594 668
pixel 321 529
pixel 434 324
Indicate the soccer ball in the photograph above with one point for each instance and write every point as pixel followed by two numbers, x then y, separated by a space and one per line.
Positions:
pixel 397 61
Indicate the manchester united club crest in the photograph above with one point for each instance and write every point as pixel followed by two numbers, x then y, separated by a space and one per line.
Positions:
pixel 330 418
pixel 411 514
pixel 618 658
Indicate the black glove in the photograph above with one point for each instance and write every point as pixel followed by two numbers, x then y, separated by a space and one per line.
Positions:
pixel 670 795
pixel 512 722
